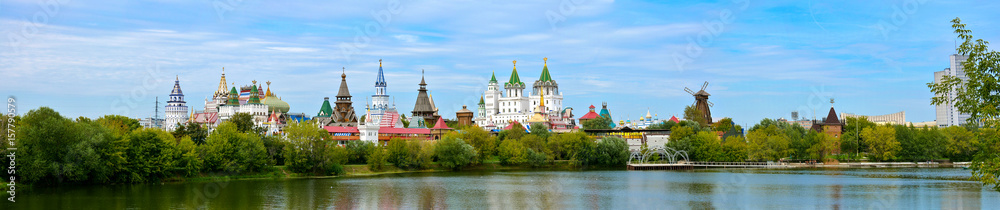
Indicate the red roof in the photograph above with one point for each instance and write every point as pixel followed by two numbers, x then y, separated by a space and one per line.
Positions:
pixel 511 125
pixel 440 124
pixel 590 115
pixel 674 118
pixel 385 130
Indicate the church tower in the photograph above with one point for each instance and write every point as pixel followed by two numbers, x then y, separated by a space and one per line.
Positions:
pixel 423 107
pixel 345 111
pixel 176 110
pixel 220 96
pixel 380 100
pixel 492 97
pixel 546 85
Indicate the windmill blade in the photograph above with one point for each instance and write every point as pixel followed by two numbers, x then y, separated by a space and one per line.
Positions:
pixel 689 90
pixel 710 104
pixel 704 85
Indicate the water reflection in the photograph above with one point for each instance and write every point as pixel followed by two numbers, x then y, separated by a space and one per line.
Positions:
pixel 703 189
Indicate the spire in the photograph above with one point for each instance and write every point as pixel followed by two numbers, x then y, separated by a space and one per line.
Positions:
pixel 234 97
pixel 514 79
pixel 545 72
pixel 541 103
pixel 268 93
pixel 422 83
pixel 494 79
pixel 380 82
pixel 177 88
pixel 481 101
pixel 222 84
pixel 344 92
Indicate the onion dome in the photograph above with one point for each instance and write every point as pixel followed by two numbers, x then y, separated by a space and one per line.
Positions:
pixel 274 104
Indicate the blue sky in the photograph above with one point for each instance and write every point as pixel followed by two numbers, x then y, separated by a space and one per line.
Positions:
pixel 763 59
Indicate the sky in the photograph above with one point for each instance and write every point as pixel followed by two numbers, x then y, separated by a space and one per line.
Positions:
pixel 762 59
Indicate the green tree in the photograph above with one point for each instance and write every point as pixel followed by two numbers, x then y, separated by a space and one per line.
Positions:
pixel 881 141
pixel 962 143
pixel 598 123
pixel 539 130
pixel 609 151
pixel 377 158
pixel 44 140
pixel 822 145
pixel 512 152
pixel 481 140
pixel 516 132
pixel 734 149
pixel 768 143
pixel 150 154
pixel 665 125
pixel 454 153
pixel 976 96
pixel 187 157
pixel 231 151
pixel 275 146
pixel 693 114
pixel 243 122
pixel 358 151
pixel 119 125
pixel 310 150
pixel 986 165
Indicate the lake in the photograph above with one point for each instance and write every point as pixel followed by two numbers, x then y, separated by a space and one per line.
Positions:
pixel 870 188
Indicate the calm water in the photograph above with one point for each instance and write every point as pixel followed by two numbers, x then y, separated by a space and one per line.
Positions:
pixel 900 188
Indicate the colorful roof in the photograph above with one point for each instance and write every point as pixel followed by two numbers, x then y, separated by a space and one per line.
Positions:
pixel 234 97
pixel 481 101
pixel 254 95
pixel 423 104
pixel 441 125
pixel 382 130
pixel 209 118
pixel 545 72
pixel 511 125
pixel 494 79
pixel 325 110
pixel 221 92
pixel 674 118
pixel 589 115
pixel 273 102
pixel 514 79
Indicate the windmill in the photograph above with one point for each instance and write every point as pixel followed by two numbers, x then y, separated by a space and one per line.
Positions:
pixel 701 102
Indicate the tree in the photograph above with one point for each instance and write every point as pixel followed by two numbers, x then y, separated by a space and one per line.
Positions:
pixel 725 124
pixel 512 152
pixel 119 125
pixel 275 146
pixel 610 151
pixel 454 153
pixel 539 130
pixel 881 141
pixel 976 96
pixel 376 158
pixel 46 137
pixel 481 140
pixel 231 151
pixel 187 157
pixel 693 114
pixel 823 144
pixel 150 153
pixel 516 132
pixel 986 165
pixel 310 150
pixel 734 149
pixel 768 143
pixel 358 151
pixel 243 121
pixel 598 123
pixel 962 143
pixel 665 125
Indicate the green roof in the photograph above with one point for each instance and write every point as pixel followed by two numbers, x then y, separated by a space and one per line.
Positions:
pixel 545 74
pixel 254 95
pixel 325 110
pixel 234 97
pixel 494 79
pixel 514 79
pixel 481 101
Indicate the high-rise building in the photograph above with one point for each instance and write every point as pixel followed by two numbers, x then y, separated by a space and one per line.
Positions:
pixel 176 109
pixel 947 113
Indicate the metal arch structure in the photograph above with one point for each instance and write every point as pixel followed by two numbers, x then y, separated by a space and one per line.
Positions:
pixel 672 155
